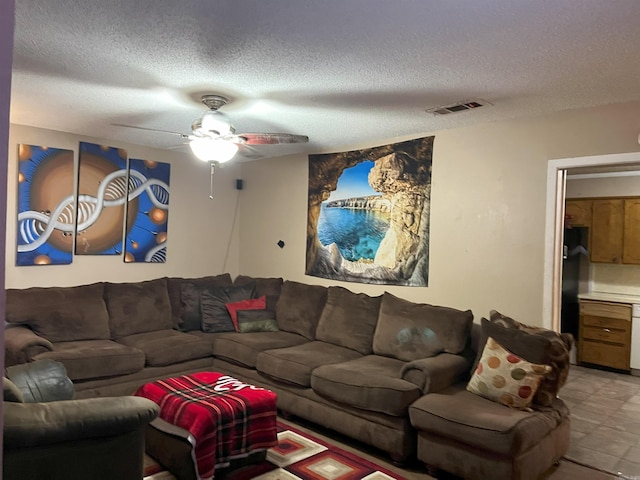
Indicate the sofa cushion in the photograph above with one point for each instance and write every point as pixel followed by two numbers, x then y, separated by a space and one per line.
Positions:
pixel 294 364
pixel 60 314
pixel 257 321
pixel 138 307
pixel 535 344
pixel 370 383
pixel 243 305
pixel 243 348
pixel 349 319
pixel 174 289
pixel 95 358
pixel 167 347
pixel 299 308
pixel 213 306
pixel 506 378
pixel 409 331
pixel 270 287
pixel 475 421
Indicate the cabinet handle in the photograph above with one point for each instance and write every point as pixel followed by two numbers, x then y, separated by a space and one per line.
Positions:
pixel 606 330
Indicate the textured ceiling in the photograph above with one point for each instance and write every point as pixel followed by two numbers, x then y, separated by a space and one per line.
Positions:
pixel 347 73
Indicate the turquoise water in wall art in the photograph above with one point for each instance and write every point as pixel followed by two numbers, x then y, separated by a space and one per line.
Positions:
pixel 357 233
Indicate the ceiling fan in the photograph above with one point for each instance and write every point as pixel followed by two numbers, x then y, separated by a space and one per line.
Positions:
pixel 214 138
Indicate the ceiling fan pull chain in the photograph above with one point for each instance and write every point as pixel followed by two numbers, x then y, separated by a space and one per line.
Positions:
pixel 213 168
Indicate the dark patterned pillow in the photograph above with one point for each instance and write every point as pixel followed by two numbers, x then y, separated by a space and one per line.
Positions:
pixel 256 321
pixel 213 306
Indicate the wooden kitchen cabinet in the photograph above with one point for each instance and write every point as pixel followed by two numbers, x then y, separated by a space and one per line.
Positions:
pixel 631 242
pixel 607 230
pixel 605 334
pixel 577 213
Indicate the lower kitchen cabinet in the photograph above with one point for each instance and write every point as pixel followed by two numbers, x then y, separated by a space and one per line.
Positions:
pixel 605 334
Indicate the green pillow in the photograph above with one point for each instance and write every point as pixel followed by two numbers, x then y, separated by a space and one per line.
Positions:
pixel 256 321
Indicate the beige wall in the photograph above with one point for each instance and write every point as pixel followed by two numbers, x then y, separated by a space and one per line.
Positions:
pixel 201 240
pixel 487 214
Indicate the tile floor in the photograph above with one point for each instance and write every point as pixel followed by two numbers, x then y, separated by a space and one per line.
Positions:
pixel 605 420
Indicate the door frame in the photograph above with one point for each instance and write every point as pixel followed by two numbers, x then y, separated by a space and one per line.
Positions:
pixel 554 228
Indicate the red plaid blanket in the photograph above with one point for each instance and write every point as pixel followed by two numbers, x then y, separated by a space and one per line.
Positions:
pixel 227 418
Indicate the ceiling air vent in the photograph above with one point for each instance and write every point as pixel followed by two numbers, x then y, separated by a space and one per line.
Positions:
pixel 458 107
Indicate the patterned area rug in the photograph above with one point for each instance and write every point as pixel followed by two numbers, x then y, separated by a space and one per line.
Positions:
pixel 298 455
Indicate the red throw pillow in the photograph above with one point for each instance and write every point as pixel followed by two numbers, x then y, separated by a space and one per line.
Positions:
pixel 251 304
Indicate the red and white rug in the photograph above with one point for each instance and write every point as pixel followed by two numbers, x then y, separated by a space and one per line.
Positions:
pixel 298 456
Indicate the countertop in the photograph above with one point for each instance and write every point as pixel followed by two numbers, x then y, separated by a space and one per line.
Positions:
pixel 610 297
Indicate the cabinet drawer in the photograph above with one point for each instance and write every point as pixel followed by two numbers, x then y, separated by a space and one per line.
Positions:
pixel 610 323
pixel 613 356
pixel 606 334
pixel 605 309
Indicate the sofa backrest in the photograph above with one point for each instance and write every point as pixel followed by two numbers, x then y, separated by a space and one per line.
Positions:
pixel 299 308
pixel 138 307
pixel 61 314
pixel 410 331
pixel 349 319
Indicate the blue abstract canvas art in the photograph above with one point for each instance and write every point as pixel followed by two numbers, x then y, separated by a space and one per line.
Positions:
pixel 45 206
pixel 102 192
pixel 147 211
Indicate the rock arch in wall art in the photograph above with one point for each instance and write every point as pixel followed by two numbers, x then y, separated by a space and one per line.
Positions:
pixel 368 214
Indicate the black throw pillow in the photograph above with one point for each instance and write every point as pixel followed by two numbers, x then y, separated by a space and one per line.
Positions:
pixel 213 306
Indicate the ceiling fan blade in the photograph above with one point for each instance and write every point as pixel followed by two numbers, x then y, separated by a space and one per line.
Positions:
pixel 266 138
pixel 150 129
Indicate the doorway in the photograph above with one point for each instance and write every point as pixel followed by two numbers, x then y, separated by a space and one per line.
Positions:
pixel 605 406
pixel 554 227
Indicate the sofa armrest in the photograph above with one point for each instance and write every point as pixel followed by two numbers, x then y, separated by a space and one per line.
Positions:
pixel 31 424
pixel 435 373
pixel 21 344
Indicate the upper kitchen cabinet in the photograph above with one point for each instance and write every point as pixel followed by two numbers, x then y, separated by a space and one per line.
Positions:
pixel 577 213
pixel 607 230
pixel 631 245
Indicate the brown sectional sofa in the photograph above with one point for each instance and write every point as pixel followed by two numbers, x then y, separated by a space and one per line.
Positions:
pixel 354 363
pixel 111 337
pixel 347 361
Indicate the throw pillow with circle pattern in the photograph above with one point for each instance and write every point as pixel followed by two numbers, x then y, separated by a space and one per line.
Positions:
pixel 506 378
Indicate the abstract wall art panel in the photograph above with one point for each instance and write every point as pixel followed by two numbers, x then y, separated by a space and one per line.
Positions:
pixel 102 193
pixel 45 206
pixel 368 214
pixel 148 212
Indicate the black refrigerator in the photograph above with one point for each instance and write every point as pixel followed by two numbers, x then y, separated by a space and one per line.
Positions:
pixel 574 269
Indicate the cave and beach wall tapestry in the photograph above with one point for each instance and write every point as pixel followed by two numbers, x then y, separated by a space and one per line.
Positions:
pixel 46 205
pixel 148 212
pixel 102 194
pixel 368 214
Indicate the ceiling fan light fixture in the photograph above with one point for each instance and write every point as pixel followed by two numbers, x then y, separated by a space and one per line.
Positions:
pixel 215 122
pixel 213 150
